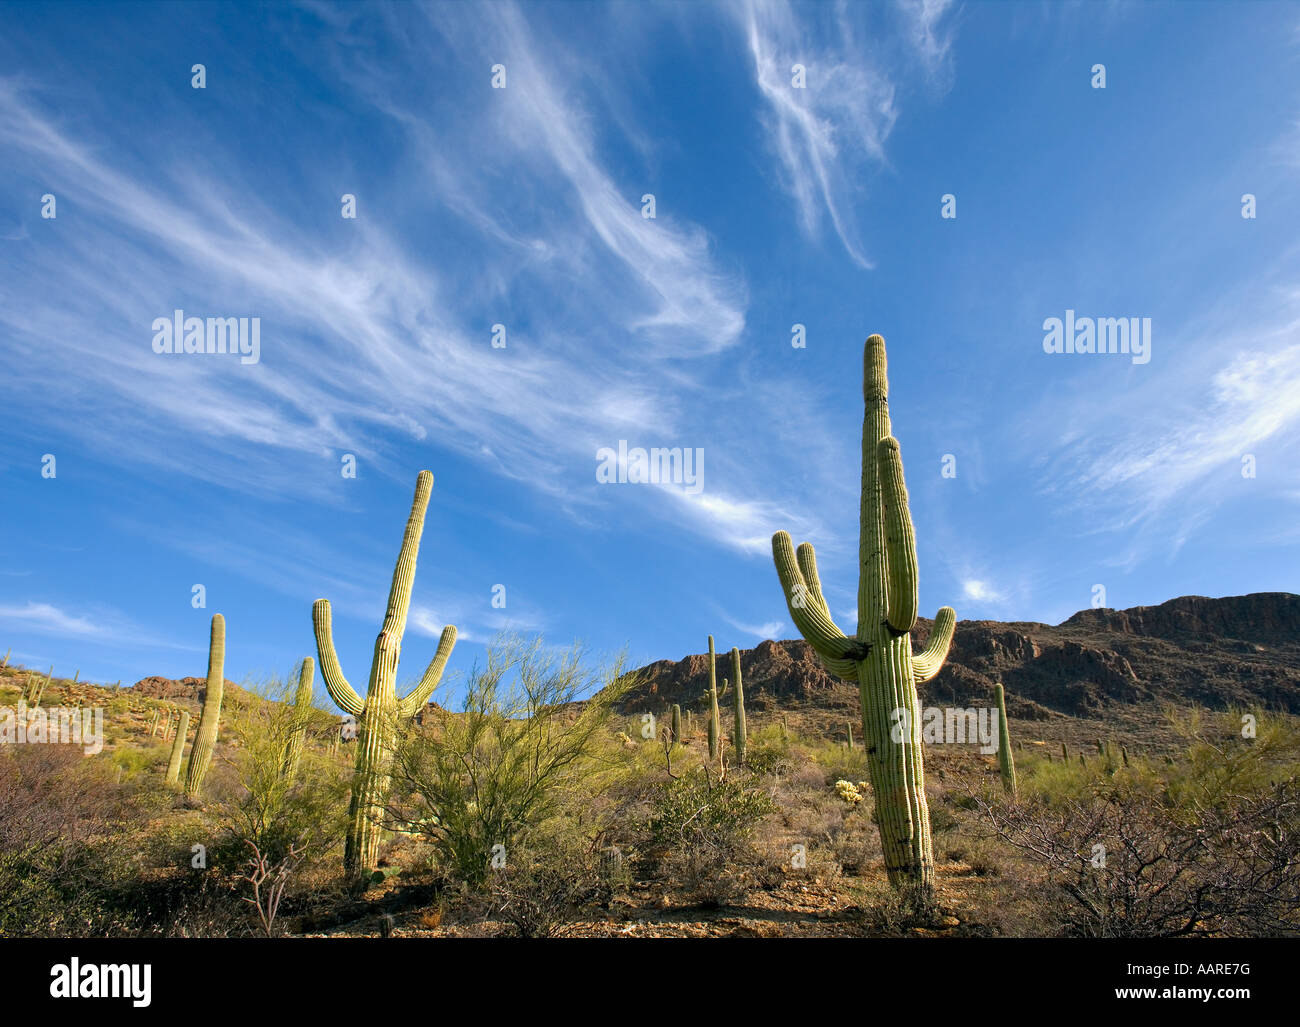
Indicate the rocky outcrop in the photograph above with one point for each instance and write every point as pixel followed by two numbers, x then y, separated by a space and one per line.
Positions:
pixel 1240 650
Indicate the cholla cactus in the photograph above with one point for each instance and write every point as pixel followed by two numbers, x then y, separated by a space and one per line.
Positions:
pixel 178 748
pixel 205 738
pixel 1006 763
pixel 302 709
pixel 849 792
pixel 880 657
pixel 378 716
pixel 738 704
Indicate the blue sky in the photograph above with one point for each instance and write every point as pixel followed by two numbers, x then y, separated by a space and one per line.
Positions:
pixel 522 206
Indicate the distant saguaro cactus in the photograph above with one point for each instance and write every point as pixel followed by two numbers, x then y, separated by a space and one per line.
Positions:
pixel 740 728
pixel 302 709
pixel 1065 752
pixel 178 749
pixel 850 725
pixel 205 738
pixel 880 657
pixel 714 728
pixel 378 716
pixel 676 723
pixel 1006 762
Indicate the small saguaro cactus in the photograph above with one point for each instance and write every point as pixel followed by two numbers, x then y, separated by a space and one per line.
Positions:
pixel 205 738
pixel 1123 751
pixel 738 705
pixel 676 723
pixel 714 728
pixel 850 734
pixel 302 708
pixel 1065 752
pixel 880 657
pixel 1101 747
pixel 153 723
pixel 178 748
pixel 378 716
pixel 1006 763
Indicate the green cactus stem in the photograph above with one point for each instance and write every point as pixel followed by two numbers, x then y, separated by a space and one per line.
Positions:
pixel 153 723
pixel 178 748
pixel 676 724
pixel 740 728
pixel 880 657
pixel 1083 760
pixel 378 716
pixel 1065 752
pixel 205 738
pixel 1123 752
pixel 1101 747
pixel 1006 763
pixel 714 729
pixel 850 734
pixel 302 710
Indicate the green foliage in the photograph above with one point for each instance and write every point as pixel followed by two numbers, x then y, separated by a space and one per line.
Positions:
pixel 489 774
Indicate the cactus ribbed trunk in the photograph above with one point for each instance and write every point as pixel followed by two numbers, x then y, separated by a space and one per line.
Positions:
pixel 738 701
pixel 880 657
pixel 714 729
pixel 1006 763
pixel 302 708
pixel 381 712
pixel 205 738
pixel 676 723
pixel 178 749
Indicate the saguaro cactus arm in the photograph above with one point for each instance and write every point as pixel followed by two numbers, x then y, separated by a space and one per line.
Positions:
pixel 343 694
pixel 927 663
pixel 900 539
pixel 808 608
pixel 419 695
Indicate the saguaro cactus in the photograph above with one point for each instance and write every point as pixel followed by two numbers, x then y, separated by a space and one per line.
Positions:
pixel 178 748
pixel 205 738
pixel 880 657
pixel 677 724
pixel 1006 762
pixel 738 705
pixel 714 729
pixel 301 715
pixel 378 716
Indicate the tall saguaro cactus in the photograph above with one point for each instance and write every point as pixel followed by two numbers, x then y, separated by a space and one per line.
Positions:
pixel 1006 762
pixel 205 738
pixel 178 749
pixel 378 716
pixel 676 723
pixel 880 657
pixel 301 715
pixel 715 730
pixel 741 734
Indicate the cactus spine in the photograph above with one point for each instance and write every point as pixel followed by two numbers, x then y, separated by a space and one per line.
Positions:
pixel 713 703
pixel 1006 763
pixel 380 713
pixel 740 728
pixel 677 724
pixel 880 657
pixel 178 749
pixel 301 715
pixel 205 738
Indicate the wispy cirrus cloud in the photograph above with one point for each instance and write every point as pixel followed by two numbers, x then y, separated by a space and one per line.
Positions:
pixel 828 129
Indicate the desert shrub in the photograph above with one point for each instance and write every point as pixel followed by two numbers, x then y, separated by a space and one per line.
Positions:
pixel 1126 863
pixel 517 752
pixel 63 843
pixel 254 803
pixel 702 831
